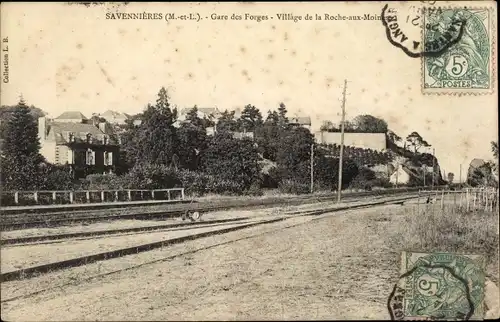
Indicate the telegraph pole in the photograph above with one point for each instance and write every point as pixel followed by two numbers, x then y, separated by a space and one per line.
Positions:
pixel 433 165
pixel 460 179
pixel 341 156
pixel 312 167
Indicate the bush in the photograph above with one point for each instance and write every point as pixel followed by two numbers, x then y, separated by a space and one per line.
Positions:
pixel 294 187
pixel 255 189
pixel 194 183
pixel 152 176
pixel 56 178
pixel 234 162
pixel 106 182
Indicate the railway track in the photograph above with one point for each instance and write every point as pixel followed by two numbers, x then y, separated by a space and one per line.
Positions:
pixel 11 222
pixel 80 261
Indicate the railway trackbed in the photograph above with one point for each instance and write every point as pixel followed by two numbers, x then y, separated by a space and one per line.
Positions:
pixel 33 271
pixel 10 222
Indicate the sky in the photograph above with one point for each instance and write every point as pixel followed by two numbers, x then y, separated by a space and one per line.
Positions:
pixel 69 57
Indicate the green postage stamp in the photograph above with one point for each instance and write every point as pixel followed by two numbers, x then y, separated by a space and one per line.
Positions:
pixel 468 64
pixel 439 286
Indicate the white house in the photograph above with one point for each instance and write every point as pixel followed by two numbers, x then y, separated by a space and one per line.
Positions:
pixel 401 175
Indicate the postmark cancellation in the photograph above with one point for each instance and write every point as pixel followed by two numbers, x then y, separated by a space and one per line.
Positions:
pixel 468 65
pixel 439 286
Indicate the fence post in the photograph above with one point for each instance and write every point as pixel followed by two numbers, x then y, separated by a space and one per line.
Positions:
pixel 153 194
pixel 71 197
pixel 16 197
pixel 474 201
pixel 467 197
pixel 54 195
pixel 182 193
pixel 168 194
pixel 102 196
pixel 442 200
pixel 116 195
pixel 87 195
pixel 35 196
pixel 129 195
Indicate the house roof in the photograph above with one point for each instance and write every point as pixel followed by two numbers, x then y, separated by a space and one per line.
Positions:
pixel 477 163
pixel 205 110
pixel 71 115
pixel 302 120
pixel 405 169
pixel 115 114
pixel 80 130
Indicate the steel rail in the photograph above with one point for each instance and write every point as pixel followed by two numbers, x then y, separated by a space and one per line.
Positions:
pixel 84 260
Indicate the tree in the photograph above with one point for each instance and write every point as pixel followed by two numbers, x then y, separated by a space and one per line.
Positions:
pixel 416 141
pixel 7 111
pixel 328 126
pixel 227 122
pixel 267 136
pixel 451 175
pixel 494 149
pixel 282 112
pixel 156 139
pixel 393 137
pixel 193 118
pixel 294 152
pixel 232 159
pixel 192 140
pixel 369 124
pixel 21 158
pixel 250 118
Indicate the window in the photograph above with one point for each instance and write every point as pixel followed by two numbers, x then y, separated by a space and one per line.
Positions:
pixel 108 158
pixel 71 137
pixel 89 138
pixel 105 139
pixel 90 157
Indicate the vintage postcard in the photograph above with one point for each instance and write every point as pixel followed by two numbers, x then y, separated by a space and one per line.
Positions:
pixel 249 161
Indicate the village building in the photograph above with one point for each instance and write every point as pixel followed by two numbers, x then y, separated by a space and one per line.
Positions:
pixel 114 117
pixel 401 175
pixel 86 145
pixel 304 121
pixel 211 113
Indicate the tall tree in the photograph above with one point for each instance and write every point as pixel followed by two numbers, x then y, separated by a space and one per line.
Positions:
pixel 193 118
pixel 416 141
pixel 282 113
pixel 294 153
pixel 250 118
pixel 192 140
pixel 156 141
pixel 267 136
pixel 227 122
pixel 21 158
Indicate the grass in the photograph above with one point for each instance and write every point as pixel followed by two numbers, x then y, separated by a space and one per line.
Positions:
pixel 451 229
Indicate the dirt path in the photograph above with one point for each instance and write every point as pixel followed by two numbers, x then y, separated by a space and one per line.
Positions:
pixel 333 268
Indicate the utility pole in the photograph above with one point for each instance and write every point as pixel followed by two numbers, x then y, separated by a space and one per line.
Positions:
pixel 341 156
pixel 460 178
pixel 433 165
pixel 312 167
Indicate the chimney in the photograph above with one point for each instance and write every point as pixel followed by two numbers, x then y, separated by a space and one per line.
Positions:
pixel 42 128
pixel 102 126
